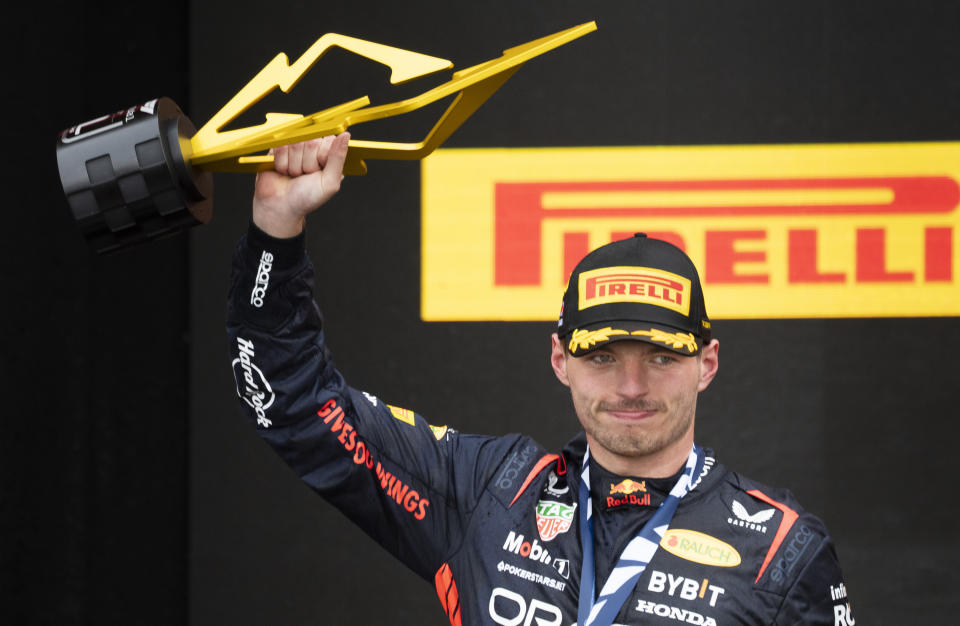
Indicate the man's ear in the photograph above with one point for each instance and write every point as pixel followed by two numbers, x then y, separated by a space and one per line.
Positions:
pixel 709 363
pixel 558 359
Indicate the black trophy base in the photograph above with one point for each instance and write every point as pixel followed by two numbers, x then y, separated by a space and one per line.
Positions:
pixel 127 176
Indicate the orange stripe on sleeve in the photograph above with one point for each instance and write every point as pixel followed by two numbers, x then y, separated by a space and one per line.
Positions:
pixel 786 523
pixel 544 461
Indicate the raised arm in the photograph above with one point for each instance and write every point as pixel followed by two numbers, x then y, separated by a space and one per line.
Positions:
pixel 410 486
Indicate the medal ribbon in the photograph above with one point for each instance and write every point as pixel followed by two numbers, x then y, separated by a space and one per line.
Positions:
pixel 638 553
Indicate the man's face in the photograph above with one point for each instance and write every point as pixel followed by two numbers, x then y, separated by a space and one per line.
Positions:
pixel 635 400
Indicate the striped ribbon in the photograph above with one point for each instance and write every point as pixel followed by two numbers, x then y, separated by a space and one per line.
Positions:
pixel 635 557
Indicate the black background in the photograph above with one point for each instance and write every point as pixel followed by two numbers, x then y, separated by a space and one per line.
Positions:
pixel 131 489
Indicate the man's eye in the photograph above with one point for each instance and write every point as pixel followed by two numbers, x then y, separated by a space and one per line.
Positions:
pixel 600 358
pixel 663 359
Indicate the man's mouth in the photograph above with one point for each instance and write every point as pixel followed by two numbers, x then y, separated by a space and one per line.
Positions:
pixel 632 411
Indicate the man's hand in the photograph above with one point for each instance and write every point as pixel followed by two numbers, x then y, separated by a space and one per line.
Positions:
pixel 304 177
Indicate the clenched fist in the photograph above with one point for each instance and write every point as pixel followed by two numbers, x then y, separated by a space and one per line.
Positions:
pixel 305 176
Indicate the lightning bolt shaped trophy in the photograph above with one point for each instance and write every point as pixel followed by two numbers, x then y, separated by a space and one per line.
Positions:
pixel 145 172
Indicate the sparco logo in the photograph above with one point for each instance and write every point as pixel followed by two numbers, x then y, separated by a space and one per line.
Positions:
pixel 511 469
pixel 533 551
pixel 791 554
pixel 252 386
pixel 263 279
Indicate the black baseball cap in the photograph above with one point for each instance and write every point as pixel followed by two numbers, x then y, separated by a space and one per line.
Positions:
pixel 641 289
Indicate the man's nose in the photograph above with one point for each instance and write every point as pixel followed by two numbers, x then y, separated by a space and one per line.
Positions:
pixel 633 380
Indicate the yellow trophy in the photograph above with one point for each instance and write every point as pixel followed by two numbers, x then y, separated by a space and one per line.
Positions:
pixel 145 172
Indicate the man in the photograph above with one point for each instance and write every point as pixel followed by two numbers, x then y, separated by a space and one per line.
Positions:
pixel 631 523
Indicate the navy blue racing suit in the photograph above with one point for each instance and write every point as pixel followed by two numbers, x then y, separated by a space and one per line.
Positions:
pixel 492 521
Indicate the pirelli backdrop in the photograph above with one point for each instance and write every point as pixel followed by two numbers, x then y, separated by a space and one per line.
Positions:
pixel 805 154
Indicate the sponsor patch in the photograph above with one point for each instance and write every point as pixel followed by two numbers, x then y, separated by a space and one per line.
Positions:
pixel 527 549
pixel 554 518
pixel 633 499
pixel 645 285
pixel 252 385
pixel 439 432
pixel 674 613
pixel 510 472
pixel 699 548
pixel 536 577
pixel 404 415
pixel 756 521
pixel 511 609
pixel 786 559
pixel 842 613
pixel 262 281
pixel 684 588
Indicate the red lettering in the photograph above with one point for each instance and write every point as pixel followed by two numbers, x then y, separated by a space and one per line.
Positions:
pixel 337 425
pixel 410 502
pixel 519 213
pixel 397 491
pixel 722 256
pixel 872 258
pixel 359 454
pixel 802 259
pixel 327 407
pixel 421 509
pixel 938 254
pixel 525 548
pixel 636 289
pixel 343 434
pixel 575 247
pixel 401 493
pixel 610 501
pixel 617 289
pixel 348 437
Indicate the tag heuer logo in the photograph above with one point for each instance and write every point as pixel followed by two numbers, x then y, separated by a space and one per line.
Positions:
pixel 554 518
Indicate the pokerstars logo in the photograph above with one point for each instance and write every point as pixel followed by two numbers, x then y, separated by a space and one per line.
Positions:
pixel 252 385
pixel 554 518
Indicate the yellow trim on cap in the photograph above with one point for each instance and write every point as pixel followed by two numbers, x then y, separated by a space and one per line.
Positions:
pixel 585 339
pixel 675 340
